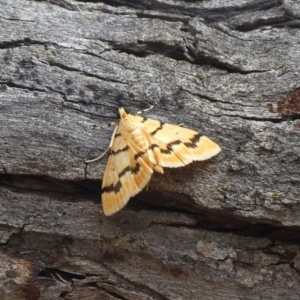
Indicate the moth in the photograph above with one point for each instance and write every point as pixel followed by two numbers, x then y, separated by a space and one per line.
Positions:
pixel 138 147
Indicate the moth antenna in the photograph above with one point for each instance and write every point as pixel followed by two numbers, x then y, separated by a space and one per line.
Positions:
pixel 147 109
pixel 110 144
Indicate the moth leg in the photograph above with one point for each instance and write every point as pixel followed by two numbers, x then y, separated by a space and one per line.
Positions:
pixel 147 186
pixel 147 109
pixel 110 144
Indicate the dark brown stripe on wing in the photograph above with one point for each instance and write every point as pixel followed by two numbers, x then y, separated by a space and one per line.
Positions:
pixel 126 148
pixel 139 154
pixel 124 171
pixel 169 146
pixel 153 146
pixel 117 135
pixel 176 142
pixel 193 142
pixel 117 187
pixel 112 188
pixel 134 170
pixel 160 127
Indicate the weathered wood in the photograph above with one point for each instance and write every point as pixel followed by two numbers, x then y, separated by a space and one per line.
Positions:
pixel 227 228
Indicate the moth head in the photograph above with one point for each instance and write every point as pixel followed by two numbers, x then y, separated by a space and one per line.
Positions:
pixel 122 113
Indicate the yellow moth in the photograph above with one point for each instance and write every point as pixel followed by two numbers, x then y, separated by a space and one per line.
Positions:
pixel 140 146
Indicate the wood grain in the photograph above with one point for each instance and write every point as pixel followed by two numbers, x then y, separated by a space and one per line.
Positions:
pixel 223 229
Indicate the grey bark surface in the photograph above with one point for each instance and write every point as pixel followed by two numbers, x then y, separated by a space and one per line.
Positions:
pixel 227 228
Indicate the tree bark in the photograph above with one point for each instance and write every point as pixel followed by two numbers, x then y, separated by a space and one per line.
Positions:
pixel 227 228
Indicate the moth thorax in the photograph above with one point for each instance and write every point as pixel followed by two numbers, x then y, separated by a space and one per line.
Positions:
pixel 138 139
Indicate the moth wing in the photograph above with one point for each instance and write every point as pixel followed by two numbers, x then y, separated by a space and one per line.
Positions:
pixel 175 146
pixel 126 174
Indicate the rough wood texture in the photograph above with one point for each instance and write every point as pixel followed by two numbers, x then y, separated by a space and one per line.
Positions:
pixel 224 229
